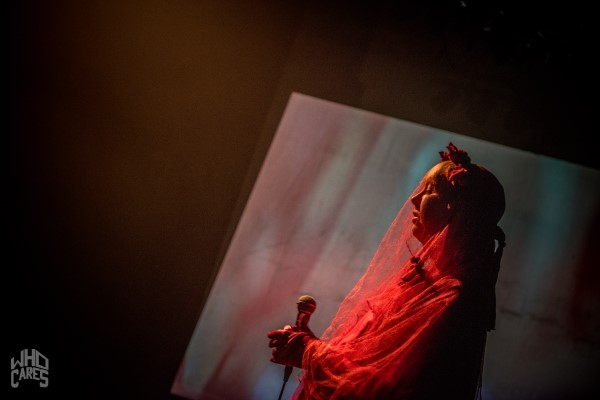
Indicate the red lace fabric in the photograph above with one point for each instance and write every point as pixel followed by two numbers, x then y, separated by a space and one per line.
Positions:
pixel 412 328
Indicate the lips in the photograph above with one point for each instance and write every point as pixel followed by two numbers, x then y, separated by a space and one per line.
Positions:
pixel 415 218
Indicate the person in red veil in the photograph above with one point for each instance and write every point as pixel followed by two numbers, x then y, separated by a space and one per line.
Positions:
pixel 415 325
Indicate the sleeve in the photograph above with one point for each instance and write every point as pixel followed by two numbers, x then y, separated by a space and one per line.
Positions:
pixel 384 359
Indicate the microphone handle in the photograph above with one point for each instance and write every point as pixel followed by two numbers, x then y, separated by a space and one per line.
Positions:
pixel 302 321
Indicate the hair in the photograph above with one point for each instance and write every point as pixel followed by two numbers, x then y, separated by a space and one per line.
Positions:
pixel 478 202
pixel 474 193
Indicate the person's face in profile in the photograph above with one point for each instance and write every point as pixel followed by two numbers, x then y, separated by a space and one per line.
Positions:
pixel 431 213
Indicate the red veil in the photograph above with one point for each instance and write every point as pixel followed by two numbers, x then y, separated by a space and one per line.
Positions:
pixel 414 326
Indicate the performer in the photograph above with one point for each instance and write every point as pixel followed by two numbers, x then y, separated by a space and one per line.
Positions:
pixel 414 326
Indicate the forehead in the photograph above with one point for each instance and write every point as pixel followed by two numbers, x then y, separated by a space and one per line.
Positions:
pixel 432 176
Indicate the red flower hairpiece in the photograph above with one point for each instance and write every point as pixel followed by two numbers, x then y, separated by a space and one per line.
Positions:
pixel 458 174
pixel 456 155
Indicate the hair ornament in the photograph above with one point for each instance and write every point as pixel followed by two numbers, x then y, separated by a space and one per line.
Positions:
pixel 456 155
pixel 457 174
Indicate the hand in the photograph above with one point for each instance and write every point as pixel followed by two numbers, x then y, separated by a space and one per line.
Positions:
pixel 289 344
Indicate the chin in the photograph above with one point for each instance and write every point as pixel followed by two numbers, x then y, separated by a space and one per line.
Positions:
pixel 418 233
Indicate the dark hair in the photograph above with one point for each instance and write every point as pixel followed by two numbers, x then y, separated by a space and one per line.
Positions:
pixel 478 196
pixel 472 189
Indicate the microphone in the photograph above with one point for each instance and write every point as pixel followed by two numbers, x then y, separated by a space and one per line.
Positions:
pixel 306 306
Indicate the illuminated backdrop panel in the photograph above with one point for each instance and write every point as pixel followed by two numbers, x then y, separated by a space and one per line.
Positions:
pixel 332 182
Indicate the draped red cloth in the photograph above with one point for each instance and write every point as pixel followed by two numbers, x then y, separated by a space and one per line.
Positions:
pixel 414 326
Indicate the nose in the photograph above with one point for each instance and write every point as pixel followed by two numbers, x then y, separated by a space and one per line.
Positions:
pixel 416 199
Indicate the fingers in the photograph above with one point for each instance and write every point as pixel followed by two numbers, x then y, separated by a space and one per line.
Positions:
pixel 277 342
pixel 275 360
pixel 279 337
pixel 290 354
pixel 280 342
pixel 281 355
pixel 278 356
pixel 276 332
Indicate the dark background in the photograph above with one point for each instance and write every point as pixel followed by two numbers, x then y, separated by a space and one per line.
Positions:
pixel 137 129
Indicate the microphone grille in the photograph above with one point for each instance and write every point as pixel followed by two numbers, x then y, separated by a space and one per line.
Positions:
pixel 306 304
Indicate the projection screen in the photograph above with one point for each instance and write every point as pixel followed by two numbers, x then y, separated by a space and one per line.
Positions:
pixel 331 183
